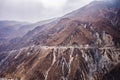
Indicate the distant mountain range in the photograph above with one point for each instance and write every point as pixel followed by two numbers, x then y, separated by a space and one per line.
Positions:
pixel 81 45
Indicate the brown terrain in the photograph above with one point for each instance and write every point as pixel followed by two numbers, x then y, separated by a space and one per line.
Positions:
pixel 82 45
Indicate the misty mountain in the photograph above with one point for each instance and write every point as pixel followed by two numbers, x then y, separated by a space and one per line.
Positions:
pixel 87 25
pixel 81 45
pixel 11 32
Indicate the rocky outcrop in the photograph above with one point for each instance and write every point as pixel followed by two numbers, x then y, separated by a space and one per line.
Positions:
pixel 82 45
pixel 59 63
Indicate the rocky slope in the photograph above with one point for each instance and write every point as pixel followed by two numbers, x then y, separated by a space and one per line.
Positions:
pixel 82 45
pixel 59 63
pixel 92 24
pixel 11 32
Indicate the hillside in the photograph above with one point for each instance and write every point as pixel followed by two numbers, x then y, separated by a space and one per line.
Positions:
pixel 81 45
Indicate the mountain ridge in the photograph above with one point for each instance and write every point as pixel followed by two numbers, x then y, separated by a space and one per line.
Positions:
pixel 84 46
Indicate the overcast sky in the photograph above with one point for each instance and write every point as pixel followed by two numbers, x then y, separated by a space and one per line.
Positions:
pixel 37 10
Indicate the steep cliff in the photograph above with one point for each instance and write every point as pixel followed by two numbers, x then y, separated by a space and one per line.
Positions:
pixel 59 63
pixel 82 45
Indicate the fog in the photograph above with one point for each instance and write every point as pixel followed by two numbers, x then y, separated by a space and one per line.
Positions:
pixel 37 10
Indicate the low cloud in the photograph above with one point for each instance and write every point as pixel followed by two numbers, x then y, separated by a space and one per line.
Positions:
pixel 36 10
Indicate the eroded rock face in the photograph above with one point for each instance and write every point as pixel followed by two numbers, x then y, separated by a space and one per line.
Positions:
pixel 59 63
pixel 84 45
